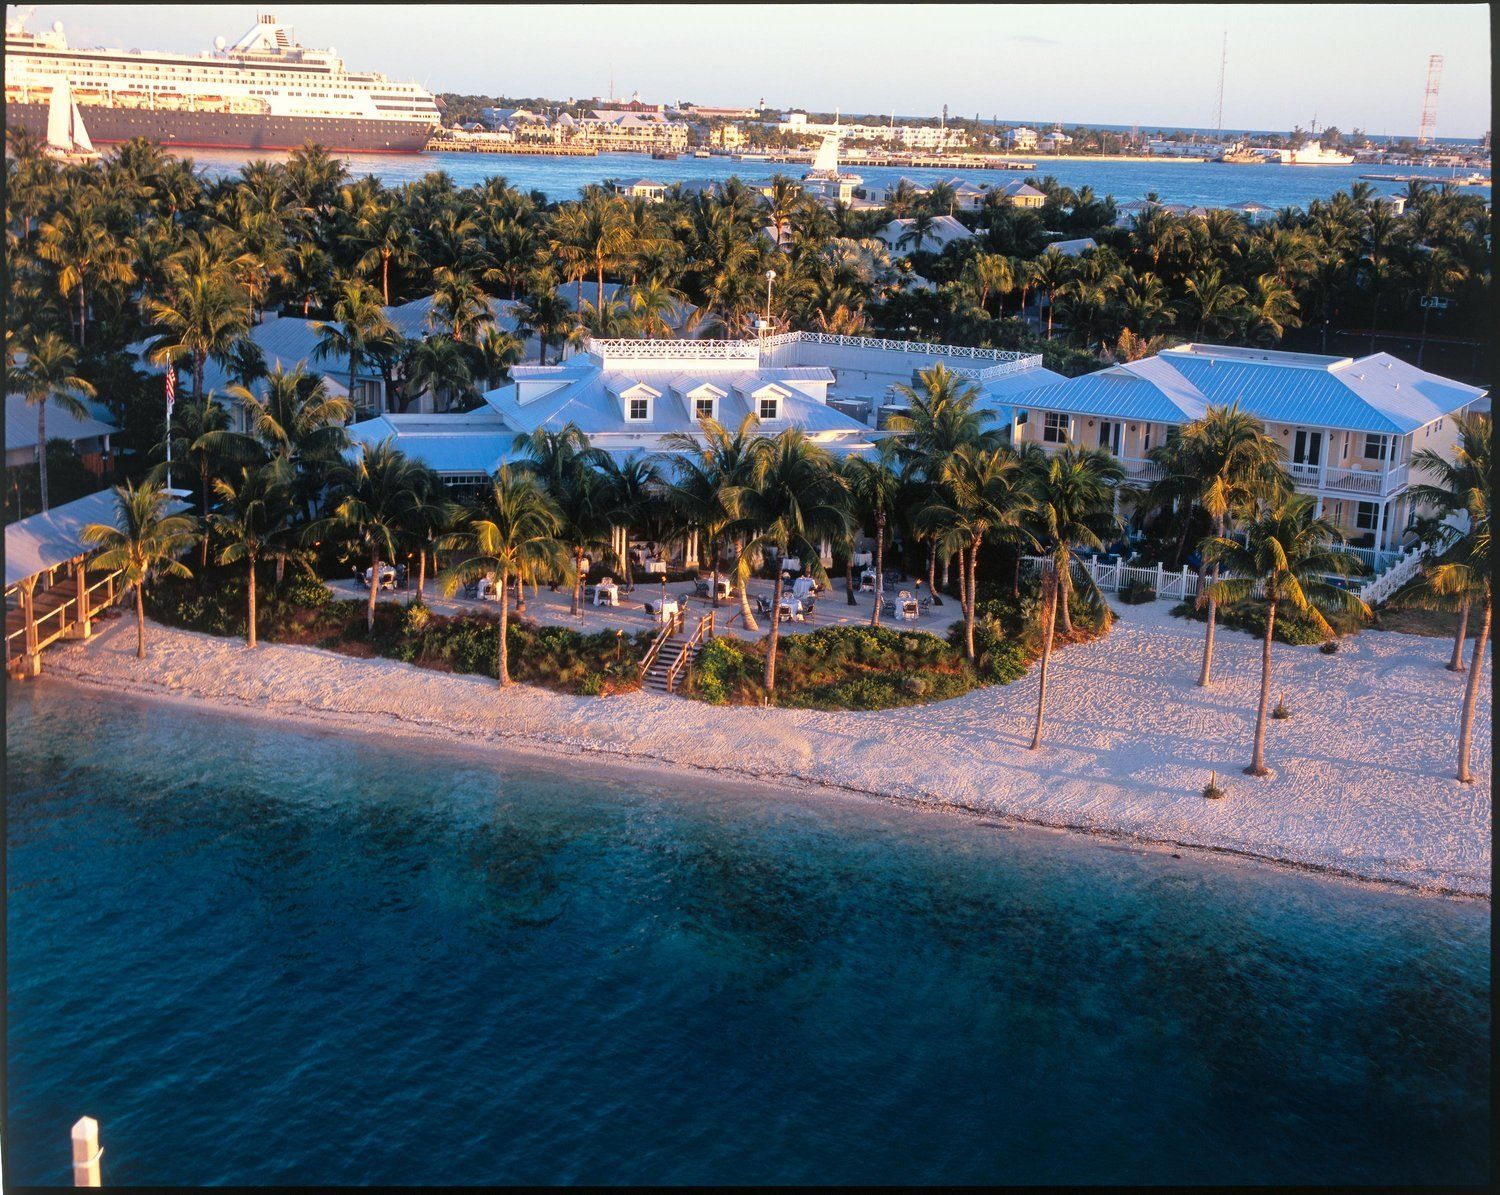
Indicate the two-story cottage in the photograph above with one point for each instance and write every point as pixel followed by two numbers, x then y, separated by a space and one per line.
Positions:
pixel 1348 426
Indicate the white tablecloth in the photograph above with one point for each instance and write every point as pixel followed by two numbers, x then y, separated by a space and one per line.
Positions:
pixel 863 558
pixel 606 595
pixel 654 566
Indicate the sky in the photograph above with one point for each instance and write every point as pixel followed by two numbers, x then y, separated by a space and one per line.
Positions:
pixel 1361 66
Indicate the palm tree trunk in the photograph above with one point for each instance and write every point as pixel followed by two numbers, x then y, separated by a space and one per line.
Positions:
pixel 973 587
pixel 140 621
pixel 1049 315
pixel 1456 663
pixel 1205 675
pixel 879 570
pixel 932 589
pixel 1015 577
pixel 1049 618
pixel 963 581
pixel 385 276
pixel 1258 756
pixel 83 316
pixel 280 568
pixel 250 591
pixel 775 632
pixel 599 286
pixel 374 587
pixel 41 450
pixel 502 649
pixel 203 505
pixel 1064 589
pixel 747 615
pixel 422 573
pixel 1471 693
pixel 577 580
pixel 849 574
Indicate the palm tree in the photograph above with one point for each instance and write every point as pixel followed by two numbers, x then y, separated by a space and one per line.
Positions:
pixel 358 322
pixel 793 499
pixel 87 254
pixel 987 496
pixel 382 226
pixel 49 375
pixel 296 418
pixel 1460 487
pixel 1048 274
pixel 515 536
pixel 1212 296
pixel 145 542
pixel 1382 227
pixel 872 484
pixel 1074 491
pixel 373 500
pixel 495 351
pixel 563 462
pixel 204 315
pixel 440 365
pixel 1224 462
pixel 548 314
pixel 1287 554
pixel 918 231
pixel 700 473
pixel 631 487
pixel 255 509
pixel 459 304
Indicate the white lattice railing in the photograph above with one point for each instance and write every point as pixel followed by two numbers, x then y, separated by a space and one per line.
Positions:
pixel 1382 586
pixel 673 350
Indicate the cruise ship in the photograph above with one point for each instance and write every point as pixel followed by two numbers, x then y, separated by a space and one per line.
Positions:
pixel 263 92
pixel 1312 153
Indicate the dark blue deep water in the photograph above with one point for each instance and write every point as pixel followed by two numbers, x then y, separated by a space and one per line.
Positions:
pixel 264 956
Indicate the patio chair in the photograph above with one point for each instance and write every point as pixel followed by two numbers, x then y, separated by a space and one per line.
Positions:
pixel 471 589
pixel 762 607
pixel 809 604
pixel 924 604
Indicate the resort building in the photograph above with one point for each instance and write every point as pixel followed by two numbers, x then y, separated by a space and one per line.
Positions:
pixel 1349 426
pixel 88 436
pixel 933 138
pixel 608 130
pixel 900 235
pixel 641 188
pixel 627 395
pixel 1074 247
pixel 1019 194
pixel 1022 138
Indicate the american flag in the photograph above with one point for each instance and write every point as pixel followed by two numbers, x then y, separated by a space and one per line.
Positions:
pixel 171 389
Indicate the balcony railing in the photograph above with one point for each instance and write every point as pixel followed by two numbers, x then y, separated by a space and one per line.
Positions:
pixel 1350 481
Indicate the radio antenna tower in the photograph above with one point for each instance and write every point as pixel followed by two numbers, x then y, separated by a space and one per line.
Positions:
pixel 1429 101
pixel 1219 108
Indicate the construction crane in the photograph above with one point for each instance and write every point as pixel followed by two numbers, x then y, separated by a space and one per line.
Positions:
pixel 1426 132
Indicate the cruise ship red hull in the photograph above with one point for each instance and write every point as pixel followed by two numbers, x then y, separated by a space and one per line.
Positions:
pixel 231 130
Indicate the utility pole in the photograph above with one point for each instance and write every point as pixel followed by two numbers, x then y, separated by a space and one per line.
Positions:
pixel 1428 129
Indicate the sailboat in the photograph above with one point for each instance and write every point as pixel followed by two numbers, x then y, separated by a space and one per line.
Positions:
pixel 67 139
pixel 825 176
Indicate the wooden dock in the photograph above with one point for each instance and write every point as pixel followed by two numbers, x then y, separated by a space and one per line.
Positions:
pixel 486 145
pixel 59 603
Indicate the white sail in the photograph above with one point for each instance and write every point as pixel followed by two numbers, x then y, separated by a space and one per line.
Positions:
pixel 827 161
pixel 80 134
pixel 57 118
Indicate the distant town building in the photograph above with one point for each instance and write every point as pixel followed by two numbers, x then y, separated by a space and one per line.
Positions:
pixel 1055 141
pixel 1022 138
pixel 630 130
pixel 727 136
pixel 922 137
pixel 900 235
pixel 1019 194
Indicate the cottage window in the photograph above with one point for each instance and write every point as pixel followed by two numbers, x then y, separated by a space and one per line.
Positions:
pixel 703 408
pixel 1375 446
pixel 1055 428
pixel 1366 516
pixel 768 408
pixel 640 409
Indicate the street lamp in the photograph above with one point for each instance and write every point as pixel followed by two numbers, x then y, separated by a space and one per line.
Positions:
pixel 770 278
pixel 1429 304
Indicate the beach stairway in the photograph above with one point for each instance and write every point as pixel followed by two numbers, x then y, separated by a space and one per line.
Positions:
pixel 673 653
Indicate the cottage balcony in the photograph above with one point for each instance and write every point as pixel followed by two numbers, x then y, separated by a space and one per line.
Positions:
pixel 1340 479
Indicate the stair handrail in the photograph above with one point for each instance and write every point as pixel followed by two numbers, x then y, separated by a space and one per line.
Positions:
pixel 670 627
pixel 705 627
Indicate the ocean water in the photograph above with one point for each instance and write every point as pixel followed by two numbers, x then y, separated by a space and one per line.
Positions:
pixel 1191 183
pixel 265 956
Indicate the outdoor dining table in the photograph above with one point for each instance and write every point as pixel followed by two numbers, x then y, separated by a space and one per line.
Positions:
pixel 791 608
pixel 387 576
pixel 654 566
pixel 663 608
pixel 606 595
pixel 706 590
pixel 860 559
pixel 867 581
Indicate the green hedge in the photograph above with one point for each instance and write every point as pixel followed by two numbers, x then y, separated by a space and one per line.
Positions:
pixel 1292 626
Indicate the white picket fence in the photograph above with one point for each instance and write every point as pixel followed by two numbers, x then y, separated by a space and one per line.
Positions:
pixel 1169 583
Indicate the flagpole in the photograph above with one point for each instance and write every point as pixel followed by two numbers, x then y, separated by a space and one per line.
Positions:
pixel 171 395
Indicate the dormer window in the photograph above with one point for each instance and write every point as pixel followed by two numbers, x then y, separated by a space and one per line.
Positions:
pixel 639 410
pixel 770 407
pixel 703 408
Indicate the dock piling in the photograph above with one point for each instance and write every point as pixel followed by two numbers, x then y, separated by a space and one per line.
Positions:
pixel 86 1152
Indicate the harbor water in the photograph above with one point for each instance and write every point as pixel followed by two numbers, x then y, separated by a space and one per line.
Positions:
pixel 264 955
pixel 560 178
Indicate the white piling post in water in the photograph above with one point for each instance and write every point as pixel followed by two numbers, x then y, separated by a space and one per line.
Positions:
pixel 86 1152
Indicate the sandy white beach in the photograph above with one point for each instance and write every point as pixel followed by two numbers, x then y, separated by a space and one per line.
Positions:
pixel 1363 770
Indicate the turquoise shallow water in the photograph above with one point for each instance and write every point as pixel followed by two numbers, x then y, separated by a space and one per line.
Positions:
pixel 266 956
pixel 1206 183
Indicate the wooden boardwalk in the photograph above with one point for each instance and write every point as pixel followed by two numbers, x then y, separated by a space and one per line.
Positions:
pixel 47 607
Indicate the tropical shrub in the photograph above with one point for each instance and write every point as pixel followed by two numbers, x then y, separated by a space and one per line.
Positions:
pixel 1292 626
pixel 307 592
pixel 1135 593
